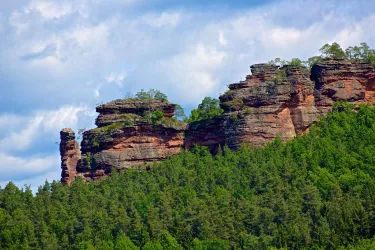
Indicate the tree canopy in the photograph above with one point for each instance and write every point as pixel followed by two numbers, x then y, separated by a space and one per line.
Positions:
pixel 361 52
pixel 208 108
pixel 151 94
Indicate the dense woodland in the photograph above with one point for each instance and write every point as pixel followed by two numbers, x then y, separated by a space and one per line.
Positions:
pixel 314 192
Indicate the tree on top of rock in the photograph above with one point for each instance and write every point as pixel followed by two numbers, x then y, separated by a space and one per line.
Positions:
pixel 209 108
pixel 332 50
pixel 361 52
pixel 151 94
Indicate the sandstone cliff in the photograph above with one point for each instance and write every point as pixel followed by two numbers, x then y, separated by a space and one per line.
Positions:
pixel 337 79
pixel 70 155
pixel 127 138
pixel 271 102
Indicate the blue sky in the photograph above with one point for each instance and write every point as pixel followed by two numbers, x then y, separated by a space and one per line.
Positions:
pixel 60 58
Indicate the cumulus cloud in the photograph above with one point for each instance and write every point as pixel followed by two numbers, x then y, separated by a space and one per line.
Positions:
pixel 194 71
pixel 16 168
pixel 42 124
pixel 163 19
pixel 117 78
pixel 50 9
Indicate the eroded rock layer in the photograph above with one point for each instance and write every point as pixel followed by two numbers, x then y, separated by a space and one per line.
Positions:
pixel 282 102
pixel 126 137
pixel 70 155
pixel 271 102
pixel 337 79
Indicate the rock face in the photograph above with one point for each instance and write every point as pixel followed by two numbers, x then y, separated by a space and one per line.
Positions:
pixel 125 110
pixel 271 102
pixel 70 155
pixel 127 138
pixel 282 102
pixel 337 79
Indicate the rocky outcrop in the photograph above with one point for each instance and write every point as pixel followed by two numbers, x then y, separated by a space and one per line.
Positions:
pixel 126 138
pixel 70 155
pixel 271 102
pixel 282 102
pixel 130 109
pixel 337 79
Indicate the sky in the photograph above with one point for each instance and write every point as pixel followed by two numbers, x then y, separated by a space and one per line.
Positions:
pixel 61 58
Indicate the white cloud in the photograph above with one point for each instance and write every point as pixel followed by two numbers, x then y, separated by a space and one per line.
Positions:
pixel 42 124
pixel 117 78
pixel 15 168
pixel 222 39
pixel 8 120
pixel 88 36
pixel 50 9
pixel 194 71
pixel 19 22
pixel 164 19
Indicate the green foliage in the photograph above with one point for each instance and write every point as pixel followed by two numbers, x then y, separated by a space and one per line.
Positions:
pixel 209 108
pixel 281 63
pixel 143 95
pixel 84 245
pixel 152 246
pixel 361 52
pixel 156 116
pixel 314 192
pixel 129 119
pixel 278 62
pixel 168 242
pixel 171 123
pixel 332 50
pixel 179 113
pixel 113 126
pixel 95 143
pixel 88 158
pixel 151 94
pixel 313 60
pixel 124 243
pixel 234 105
pixel 296 62
pixel 279 76
pixel 247 110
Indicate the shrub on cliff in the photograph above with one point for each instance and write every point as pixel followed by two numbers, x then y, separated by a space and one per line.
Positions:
pixel 208 108
pixel 156 116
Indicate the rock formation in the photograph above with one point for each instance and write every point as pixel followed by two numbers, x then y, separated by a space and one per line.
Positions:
pixel 127 138
pixel 70 155
pixel 271 102
pixel 338 79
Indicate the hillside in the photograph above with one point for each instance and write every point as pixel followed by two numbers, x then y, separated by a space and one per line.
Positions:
pixel 316 191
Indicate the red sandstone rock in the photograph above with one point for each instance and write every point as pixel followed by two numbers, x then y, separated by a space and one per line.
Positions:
pixel 338 79
pixel 70 155
pixel 272 102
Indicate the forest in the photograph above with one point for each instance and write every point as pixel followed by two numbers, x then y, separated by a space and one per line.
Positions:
pixel 314 192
